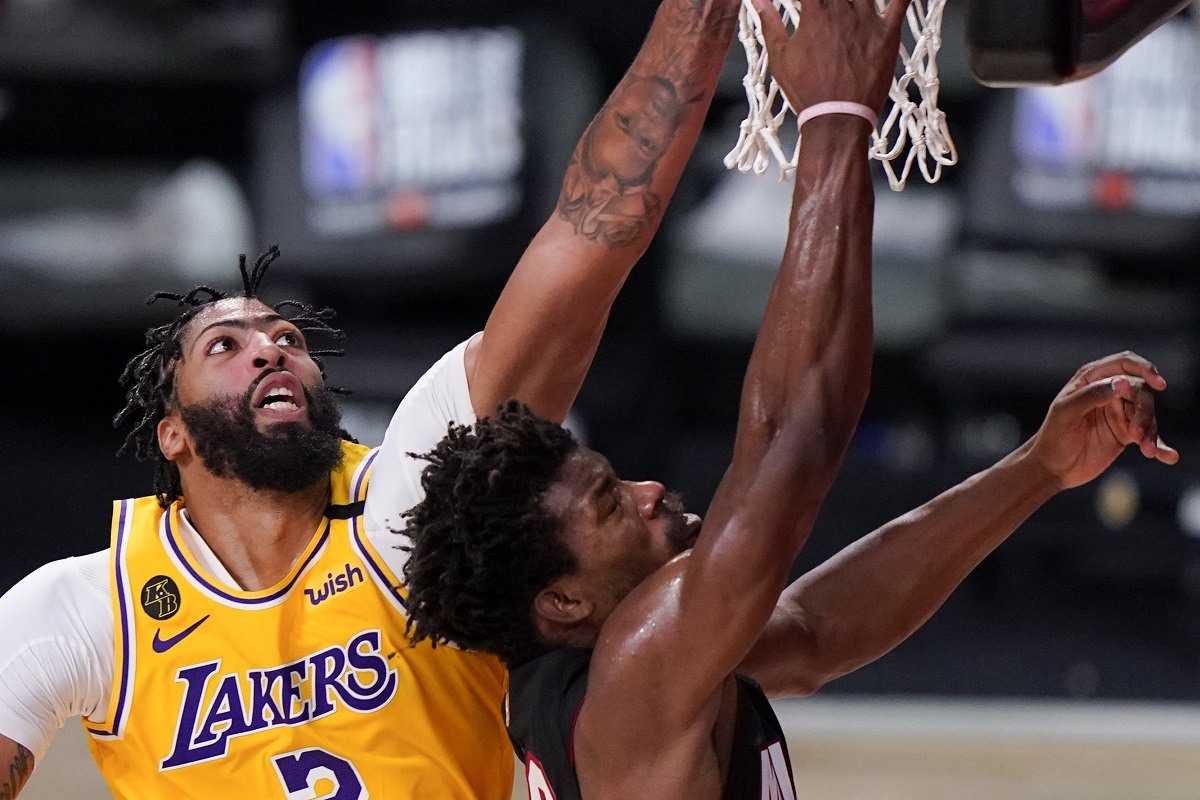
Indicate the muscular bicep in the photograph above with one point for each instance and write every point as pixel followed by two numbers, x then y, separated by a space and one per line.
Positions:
pixel 708 607
pixel 544 330
pixel 16 765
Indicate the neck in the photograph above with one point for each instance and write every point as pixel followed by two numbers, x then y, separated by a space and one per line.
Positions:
pixel 581 635
pixel 257 535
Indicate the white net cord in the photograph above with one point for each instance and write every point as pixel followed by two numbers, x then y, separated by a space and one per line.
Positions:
pixel 912 130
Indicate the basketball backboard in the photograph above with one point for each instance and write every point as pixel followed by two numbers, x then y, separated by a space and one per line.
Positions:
pixel 1048 42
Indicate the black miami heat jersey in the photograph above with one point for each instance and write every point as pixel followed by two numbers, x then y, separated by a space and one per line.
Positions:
pixel 545 694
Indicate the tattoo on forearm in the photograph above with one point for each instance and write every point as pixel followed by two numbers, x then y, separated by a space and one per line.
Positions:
pixel 18 772
pixel 607 195
pixel 696 32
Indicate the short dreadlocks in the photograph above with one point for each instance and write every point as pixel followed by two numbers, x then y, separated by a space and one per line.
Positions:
pixel 149 377
pixel 482 542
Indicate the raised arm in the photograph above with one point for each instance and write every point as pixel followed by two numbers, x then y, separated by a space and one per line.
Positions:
pixel 543 333
pixel 804 390
pixel 875 593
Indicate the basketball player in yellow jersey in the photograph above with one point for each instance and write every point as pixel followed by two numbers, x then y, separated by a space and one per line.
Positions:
pixel 319 695
pixel 241 634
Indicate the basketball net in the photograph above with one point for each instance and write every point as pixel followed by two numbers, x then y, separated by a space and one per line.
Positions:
pixel 914 128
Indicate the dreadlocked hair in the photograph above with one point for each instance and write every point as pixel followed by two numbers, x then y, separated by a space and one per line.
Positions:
pixel 482 543
pixel 149 377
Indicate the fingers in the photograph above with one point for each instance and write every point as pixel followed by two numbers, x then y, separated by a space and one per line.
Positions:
pixel 1137 413
pixel 1127 363
pixel 1129 411
pixel 1165 453
pixel 1143 426
pixel 895 11
pixel 774 32
pixel 1096 395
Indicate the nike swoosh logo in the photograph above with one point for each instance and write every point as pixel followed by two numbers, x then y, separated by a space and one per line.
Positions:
pixel 163 645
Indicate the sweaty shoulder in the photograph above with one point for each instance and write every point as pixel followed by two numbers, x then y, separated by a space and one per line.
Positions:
pixel 56 649
pixel 439 398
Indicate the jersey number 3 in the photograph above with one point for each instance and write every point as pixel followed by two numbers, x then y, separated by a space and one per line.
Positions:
pixel 316 774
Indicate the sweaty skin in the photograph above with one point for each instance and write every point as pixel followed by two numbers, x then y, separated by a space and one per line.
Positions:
pixel 558 297
pixel 872 595
pixel 659 716
pixel 659 657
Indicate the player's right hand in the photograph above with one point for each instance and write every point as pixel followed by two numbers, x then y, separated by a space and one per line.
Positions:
pixel 841 50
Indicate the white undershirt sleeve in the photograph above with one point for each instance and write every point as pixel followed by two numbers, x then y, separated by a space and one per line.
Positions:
pixel 56 650
pixel 440 397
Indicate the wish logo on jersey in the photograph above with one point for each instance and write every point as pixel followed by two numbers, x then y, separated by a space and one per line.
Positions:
pixel 355 677
pixel 344 581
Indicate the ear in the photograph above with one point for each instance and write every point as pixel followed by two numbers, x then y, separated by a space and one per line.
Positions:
pixel 172 436
pixel 560 607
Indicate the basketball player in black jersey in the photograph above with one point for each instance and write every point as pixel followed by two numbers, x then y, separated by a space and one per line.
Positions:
pixel 640 643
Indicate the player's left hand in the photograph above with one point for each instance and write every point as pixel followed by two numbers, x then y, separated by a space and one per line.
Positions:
pixel 1106 406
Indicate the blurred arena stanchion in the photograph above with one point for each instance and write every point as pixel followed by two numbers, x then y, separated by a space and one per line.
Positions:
pixel 185 223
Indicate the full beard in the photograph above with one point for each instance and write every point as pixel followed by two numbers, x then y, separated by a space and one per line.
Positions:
pixel 288 457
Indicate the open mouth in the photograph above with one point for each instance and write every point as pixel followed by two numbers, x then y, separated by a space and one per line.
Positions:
pixel 280 399
pixel 280 394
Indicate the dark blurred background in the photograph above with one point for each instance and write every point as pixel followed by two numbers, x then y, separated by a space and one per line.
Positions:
pixel 402 153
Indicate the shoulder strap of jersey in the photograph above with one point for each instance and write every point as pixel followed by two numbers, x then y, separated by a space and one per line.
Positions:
pixel 132 517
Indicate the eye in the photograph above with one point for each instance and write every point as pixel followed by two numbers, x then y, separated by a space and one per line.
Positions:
pixel 614 494
pixel 289 339
pixel 623 122
pixel 222 344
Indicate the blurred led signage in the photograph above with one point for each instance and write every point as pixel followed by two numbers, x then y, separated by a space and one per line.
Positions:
pixel 1125 139
pixel 416 130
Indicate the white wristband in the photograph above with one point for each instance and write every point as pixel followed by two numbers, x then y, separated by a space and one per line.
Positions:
pixel 838 107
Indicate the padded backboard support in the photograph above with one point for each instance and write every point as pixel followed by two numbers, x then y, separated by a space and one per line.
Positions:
pixel 1049 42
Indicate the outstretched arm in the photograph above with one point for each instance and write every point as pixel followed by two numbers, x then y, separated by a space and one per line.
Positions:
pixel 543 333
pixel 875 593
pixel 805 388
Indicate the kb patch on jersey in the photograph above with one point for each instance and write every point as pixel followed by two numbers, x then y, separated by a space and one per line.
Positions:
pixel 160 598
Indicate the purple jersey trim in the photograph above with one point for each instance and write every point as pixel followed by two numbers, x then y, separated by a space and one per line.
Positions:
pixel 126 666
pixel 356 532
pixel 218 591
pixel 361 476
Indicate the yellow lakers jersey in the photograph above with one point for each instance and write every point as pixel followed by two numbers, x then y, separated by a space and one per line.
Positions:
pixel 307 689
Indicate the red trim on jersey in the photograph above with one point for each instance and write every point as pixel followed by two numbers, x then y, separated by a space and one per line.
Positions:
pixel 531 761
